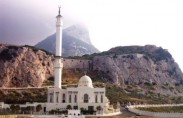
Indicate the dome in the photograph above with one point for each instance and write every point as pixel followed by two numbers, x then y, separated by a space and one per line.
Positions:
pixel 85 81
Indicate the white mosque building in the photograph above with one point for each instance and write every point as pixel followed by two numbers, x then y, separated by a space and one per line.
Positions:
pixel 84 96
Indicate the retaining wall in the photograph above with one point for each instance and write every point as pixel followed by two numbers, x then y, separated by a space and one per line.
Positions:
pixel 132 108
pixel 77 64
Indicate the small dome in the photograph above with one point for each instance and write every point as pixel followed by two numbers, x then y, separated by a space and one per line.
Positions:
pixel 85 81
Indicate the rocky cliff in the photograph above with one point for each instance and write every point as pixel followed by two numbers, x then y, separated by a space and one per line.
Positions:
pixel 146 67
pixel 143 68
pixel 138 65
pixel 23 66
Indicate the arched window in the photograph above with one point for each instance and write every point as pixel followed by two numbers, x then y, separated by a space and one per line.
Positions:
pixel 63 98
pixel 96 98
pixel 70 98
pixel 86 98
pixel 75 98
pixel 101 98
pixel 57 96
pixel 51 97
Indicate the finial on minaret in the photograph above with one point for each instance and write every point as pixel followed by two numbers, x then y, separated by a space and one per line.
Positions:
pixel 59 10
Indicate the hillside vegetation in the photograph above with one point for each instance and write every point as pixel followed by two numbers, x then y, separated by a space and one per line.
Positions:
pixel 153 52
pixel 21 96
pixel 114 93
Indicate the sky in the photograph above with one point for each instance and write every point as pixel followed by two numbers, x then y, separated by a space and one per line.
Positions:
pixel 110 22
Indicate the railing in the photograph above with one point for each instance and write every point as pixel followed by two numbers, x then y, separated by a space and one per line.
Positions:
pixel 132 108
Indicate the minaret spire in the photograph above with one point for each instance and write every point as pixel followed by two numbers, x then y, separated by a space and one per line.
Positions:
pixel 59 10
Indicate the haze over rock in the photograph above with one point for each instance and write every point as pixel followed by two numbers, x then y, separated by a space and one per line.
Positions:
pixel 79 31
pixel 76 42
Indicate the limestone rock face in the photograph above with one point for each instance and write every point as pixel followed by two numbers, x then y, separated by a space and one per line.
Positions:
pixel 137 69
pixel 134 66
pixel 146 67
pixel 24 66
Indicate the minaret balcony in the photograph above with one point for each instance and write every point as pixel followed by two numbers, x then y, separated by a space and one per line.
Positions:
pixel 58 57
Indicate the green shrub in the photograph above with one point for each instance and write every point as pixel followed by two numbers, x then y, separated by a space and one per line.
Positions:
pixel 7 55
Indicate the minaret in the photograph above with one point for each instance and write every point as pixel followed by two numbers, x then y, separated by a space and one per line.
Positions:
pixel 58 53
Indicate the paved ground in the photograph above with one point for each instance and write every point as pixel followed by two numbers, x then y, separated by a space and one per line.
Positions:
pixel 120 116
pixel 125 112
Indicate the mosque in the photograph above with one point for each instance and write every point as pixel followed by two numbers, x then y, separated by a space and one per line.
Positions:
pixel 84 96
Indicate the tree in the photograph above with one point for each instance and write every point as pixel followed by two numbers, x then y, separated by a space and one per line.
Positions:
pixel 99 108
pixel 82 109
pixel 7 110
pixel 15 108
pixel 29 109
pixel 69 107
pixel 38 108
pixel 115 106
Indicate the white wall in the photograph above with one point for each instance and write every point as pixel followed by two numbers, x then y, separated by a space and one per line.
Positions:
pixel 80 91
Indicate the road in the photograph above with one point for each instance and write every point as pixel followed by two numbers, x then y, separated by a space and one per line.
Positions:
pixel 125 112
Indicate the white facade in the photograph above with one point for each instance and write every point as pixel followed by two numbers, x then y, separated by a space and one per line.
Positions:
pixel 84 96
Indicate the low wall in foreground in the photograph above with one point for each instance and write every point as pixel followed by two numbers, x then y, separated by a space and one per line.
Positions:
pixel 132 108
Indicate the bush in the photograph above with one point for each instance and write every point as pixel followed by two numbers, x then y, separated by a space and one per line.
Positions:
pixel 7 55
pixel 51 78
pixel 69 107
pixel 15 108
pixel 38 108
pixel 21 97
pixel 88 112
pixel 57 111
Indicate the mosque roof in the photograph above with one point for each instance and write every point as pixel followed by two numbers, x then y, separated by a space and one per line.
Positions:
pixel 85 81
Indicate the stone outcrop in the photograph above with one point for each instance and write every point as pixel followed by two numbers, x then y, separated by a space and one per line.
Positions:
pixel 137 69
pixel 24 66
pixel 146 67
